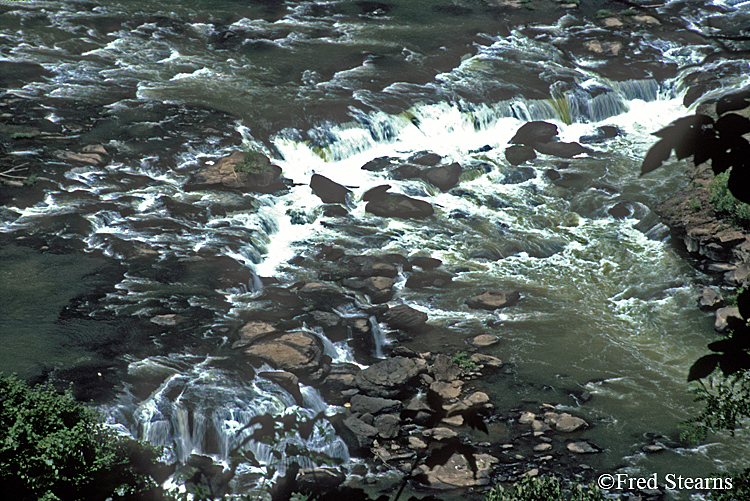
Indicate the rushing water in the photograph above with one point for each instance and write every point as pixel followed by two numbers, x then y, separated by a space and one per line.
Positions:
pixel 324 87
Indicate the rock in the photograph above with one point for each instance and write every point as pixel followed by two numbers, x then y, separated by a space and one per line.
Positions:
pixel 374 405
pixel 646 19
pixel 398 206
pixel 84 158
pixel 562 150
pixel 298 352
pixel 581 448
pixel 518 154
pixel 567 423
pixel 429 279
pixel 97 149
pixel 319 480
pixel 722 314
pixel 447 390
pixel 710 299
pixel 542 447
pixel 334 210
pixel 287 381
pixel 252 331
pixel 483 340
pixel 357 435
pixel 170 319
pixel 652 448
pixel 389 378
pixel 378 164
pixel 527 418
pixel 482 359
pixel 444 368
pixel 406 318
pixel 494 299
pixel 440 433
pixel 539 426
pixel 531 133
pixel 416 443
pixel 477 399
pixel 457 420
pixel 380 289
pixel 242 171
pixel 365 266
pixel 620 210
pixel 376 193
pixel 388 425
pixel 456 473
pixel 424 262
pixel 426 158
pixel 332 324
pixel 443 177
pixel 602 48
pixel 328 191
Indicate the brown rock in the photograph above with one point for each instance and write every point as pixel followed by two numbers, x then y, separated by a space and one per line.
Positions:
pixel 456 472
pixel 447 390
pixel 298 351
pixel 247 172
pixel 581 448
pixel 252 331
pixel 483 340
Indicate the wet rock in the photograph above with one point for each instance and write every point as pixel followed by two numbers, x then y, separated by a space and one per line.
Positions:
pixel 287 381
pixel 238 171
pixel 84 158
pixel 379 289
pixel 531 133
pixel 298 352
pixel 335 210
pixel 389 378
pixel 388 425
pixel 494 299
pixel 252 331
pixel 620 210
pixel 542 447
pixel 652 448
pixel 527 418
pixel 365 266
pixel 168 320
pixel 406 318
pixel 456 473
pixel 581 448
pixel 477 399
pixel 519 175
pixel 518 154
pixel 603 48
pixel 374 405
pixel 339 380
pixel 396 205
pixel 424 262
pixel 357 435
pixel 710 299
pixel 319 480
pixel 429 279
pixel 484 340
pixel 333 326
pixel 378 164
pixel 562 150
pixel 328 191
pixel 443 177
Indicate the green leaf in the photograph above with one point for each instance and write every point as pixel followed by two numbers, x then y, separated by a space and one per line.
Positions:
pixel 703 367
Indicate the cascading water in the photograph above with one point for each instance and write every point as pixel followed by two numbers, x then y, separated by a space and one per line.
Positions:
pixel 326 88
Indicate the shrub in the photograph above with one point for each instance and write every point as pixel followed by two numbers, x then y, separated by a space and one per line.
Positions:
pixel 725 203
pixel 727 402
pixel 54 448
pixel 253 162
pixel 462 359
pixel 544 489
pixel 740 488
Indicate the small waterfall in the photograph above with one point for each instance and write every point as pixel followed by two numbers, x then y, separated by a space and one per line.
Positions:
pixel 378 339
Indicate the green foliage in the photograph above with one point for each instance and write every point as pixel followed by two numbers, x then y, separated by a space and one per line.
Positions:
pixel 695 205
pixel 253 162
pixel 544 489
pixel 54 448
pixel 30 180
pixel 725 203
pixel 727 402
pixel 462 359
pixel 602 13
pixel 740 488
pixel 629 12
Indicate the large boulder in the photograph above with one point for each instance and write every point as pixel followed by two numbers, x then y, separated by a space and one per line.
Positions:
pixel 389 378
pixel 379 289
pixel 494 299
pixel 362 404
pixel 383 204
pixel 330 192
pixel 532 133
pixel 253 331
pixel 241 171
pixel 443 177
pixel 298 352
pixel 357 435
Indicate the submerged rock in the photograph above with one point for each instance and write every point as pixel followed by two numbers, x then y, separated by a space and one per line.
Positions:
pixel 494 299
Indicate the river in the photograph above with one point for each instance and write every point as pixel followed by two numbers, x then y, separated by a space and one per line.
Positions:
pixel 93 252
